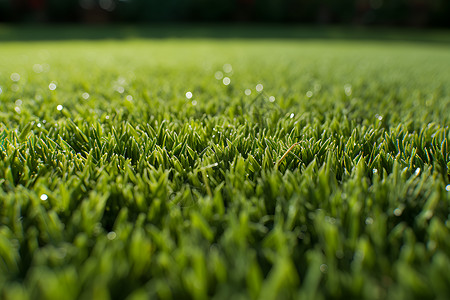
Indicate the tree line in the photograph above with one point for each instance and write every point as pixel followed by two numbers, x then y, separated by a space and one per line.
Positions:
pixel 362 12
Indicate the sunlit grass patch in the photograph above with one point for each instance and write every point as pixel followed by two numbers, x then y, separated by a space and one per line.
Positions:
pixel 200 168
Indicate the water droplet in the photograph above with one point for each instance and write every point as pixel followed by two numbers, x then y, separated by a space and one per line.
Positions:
pixel 292 116
pixel 18 102
pixel 375 171
pixel 317 87
pixel 323 268
pixel 1 90
pixel 189 95
pixel 194 102
pixel 59 107
pixel 218 75
pixel 46 67
pixel 85 96
pixel 17 109
pixel 447 188
pixel 121 80
pixel 107 117
pixel 14 87
pixel 52 86
pixel 120 89
pixel 272 99
pixel 37 68
pixel 397 212
pixel 369 221
pixel 348 89
pixel 259 87
pixel 227 68
pixel 44 197
pixel 248 92
pixel 15 77
pixel 39 125
pixel 309 94
pixel 417 172
pixel 226 81
pixel 111 235
pixel 330 220
pixel 129 98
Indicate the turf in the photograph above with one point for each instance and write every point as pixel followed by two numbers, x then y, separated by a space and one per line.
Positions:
pixel 320 171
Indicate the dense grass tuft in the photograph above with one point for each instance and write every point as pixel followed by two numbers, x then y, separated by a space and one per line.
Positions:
pixel 329 180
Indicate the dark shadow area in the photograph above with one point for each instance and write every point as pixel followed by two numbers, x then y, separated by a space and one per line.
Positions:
pixel 404 13
pixel 218 31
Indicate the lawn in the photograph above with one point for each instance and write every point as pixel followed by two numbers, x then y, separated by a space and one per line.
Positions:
pixel 308 166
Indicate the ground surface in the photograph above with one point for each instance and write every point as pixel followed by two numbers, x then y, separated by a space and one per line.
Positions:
pixel 156 167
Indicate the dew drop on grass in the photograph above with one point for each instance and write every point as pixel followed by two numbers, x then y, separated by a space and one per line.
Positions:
pixel 218 75
pixel 194 102
pixel 317 87
pixel 38 68
pixel 369 221
pixel 59 107
pixel 17 109
pixel 14 88
pixel 309 94
pixel 248 92
pixel 52 86
pixel 18 102
pixel 189 95
pixel 330 220
pixel 85 96
pixel 129 98
pixel 39 125
pixel 111 235
pixel 397 212
pixel 227 68
pixel 44 197
pixel 323 268
pixel 272 99
pixel 107 117
pixel 292 116
pixel 348 89
pixel 447 188
pixel 15 77
pixel 259 87
pixel 417 172
pixel 226 81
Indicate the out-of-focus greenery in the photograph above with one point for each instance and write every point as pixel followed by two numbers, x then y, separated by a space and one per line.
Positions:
pixel 367 12
pixel 129 169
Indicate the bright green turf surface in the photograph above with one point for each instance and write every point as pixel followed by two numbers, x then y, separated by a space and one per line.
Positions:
pixel 157 195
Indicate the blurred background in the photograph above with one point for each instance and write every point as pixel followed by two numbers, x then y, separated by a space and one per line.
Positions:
pixel 401 13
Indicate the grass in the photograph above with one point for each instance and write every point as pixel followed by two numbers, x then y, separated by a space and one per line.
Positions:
pixel 320 171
